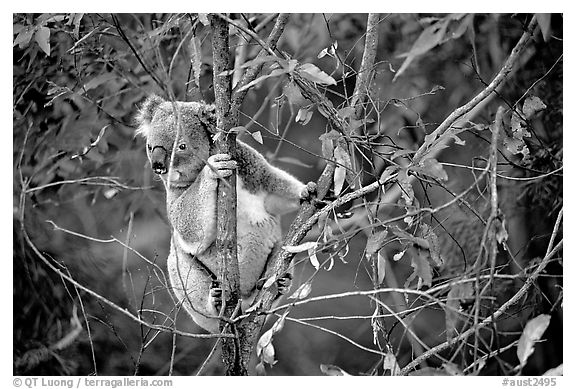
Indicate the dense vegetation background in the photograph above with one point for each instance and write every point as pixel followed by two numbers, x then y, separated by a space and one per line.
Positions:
pixel 90 221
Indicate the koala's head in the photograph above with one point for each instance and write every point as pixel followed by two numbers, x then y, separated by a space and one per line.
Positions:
pixel 157 123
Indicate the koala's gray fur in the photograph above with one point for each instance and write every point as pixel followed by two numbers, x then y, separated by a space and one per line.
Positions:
pixel 264 193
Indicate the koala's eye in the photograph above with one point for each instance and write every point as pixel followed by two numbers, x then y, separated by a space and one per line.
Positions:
pixel 149 147
pixel 182 146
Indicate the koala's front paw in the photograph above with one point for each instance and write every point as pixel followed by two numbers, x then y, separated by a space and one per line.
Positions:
pixel 284 283
pixel 221 165
pixel 308 192
pixel 216 295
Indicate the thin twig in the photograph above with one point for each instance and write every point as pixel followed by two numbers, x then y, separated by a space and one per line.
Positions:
pixel 534 178
pixel 538 80
pixel 490 319
pixel 125 269
pixel 111 240
pixel 402 312
pixel 110 303
pixel 249 32
pixel 502 75
pixel 416 342
pixel 489 240
pixel 355 293
pixel 457 119
pixel 377 352
pixel 88 331
pixel 178 48
pixel 208 358
pixel 251 73
pixel 136 54
pixel 401 305
pixel 263 105
pixel 498 128
pixel 242 49
pixel 555 231
pixel 172 354
pixel 87 181
pixel 98 296
pixel 452 118
pixel 479 362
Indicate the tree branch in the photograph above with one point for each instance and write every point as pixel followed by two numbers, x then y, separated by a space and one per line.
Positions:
pixel 470 110
pixel 242 49
pixel 489 243
pixel 305 220
pixel 361 88
pixel 226 246
pixel 308 215
pixel 313 94
pixel 65 276
pixel 249 32
pixel 502 75
pixel 492 318
pixel 136 54
pixel 252 72
pixel 236 354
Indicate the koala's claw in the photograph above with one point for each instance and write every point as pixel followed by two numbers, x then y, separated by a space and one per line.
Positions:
pixel 221 165
pixel 216 295
pixel 308 192
pixel 284 283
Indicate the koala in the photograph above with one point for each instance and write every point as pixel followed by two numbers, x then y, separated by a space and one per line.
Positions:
pixel 190 169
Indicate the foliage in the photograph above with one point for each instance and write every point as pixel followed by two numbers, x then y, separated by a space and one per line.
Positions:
pixel 411 249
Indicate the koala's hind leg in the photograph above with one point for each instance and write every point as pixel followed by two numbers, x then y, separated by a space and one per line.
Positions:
pixel 193 287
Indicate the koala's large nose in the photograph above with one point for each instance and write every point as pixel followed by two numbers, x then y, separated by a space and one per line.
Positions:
pixel 158 159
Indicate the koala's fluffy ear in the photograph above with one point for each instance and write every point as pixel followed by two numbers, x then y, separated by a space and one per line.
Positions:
pixel 146 113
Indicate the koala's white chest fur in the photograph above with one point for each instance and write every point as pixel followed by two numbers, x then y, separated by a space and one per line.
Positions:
pixel 258 231
pixel 250 205
pixel 256 227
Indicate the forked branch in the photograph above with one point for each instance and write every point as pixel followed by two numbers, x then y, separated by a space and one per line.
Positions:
pixel 306 217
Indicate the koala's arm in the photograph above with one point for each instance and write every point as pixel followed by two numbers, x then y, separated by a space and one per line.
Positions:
pixel 193 214
pixel 283 191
